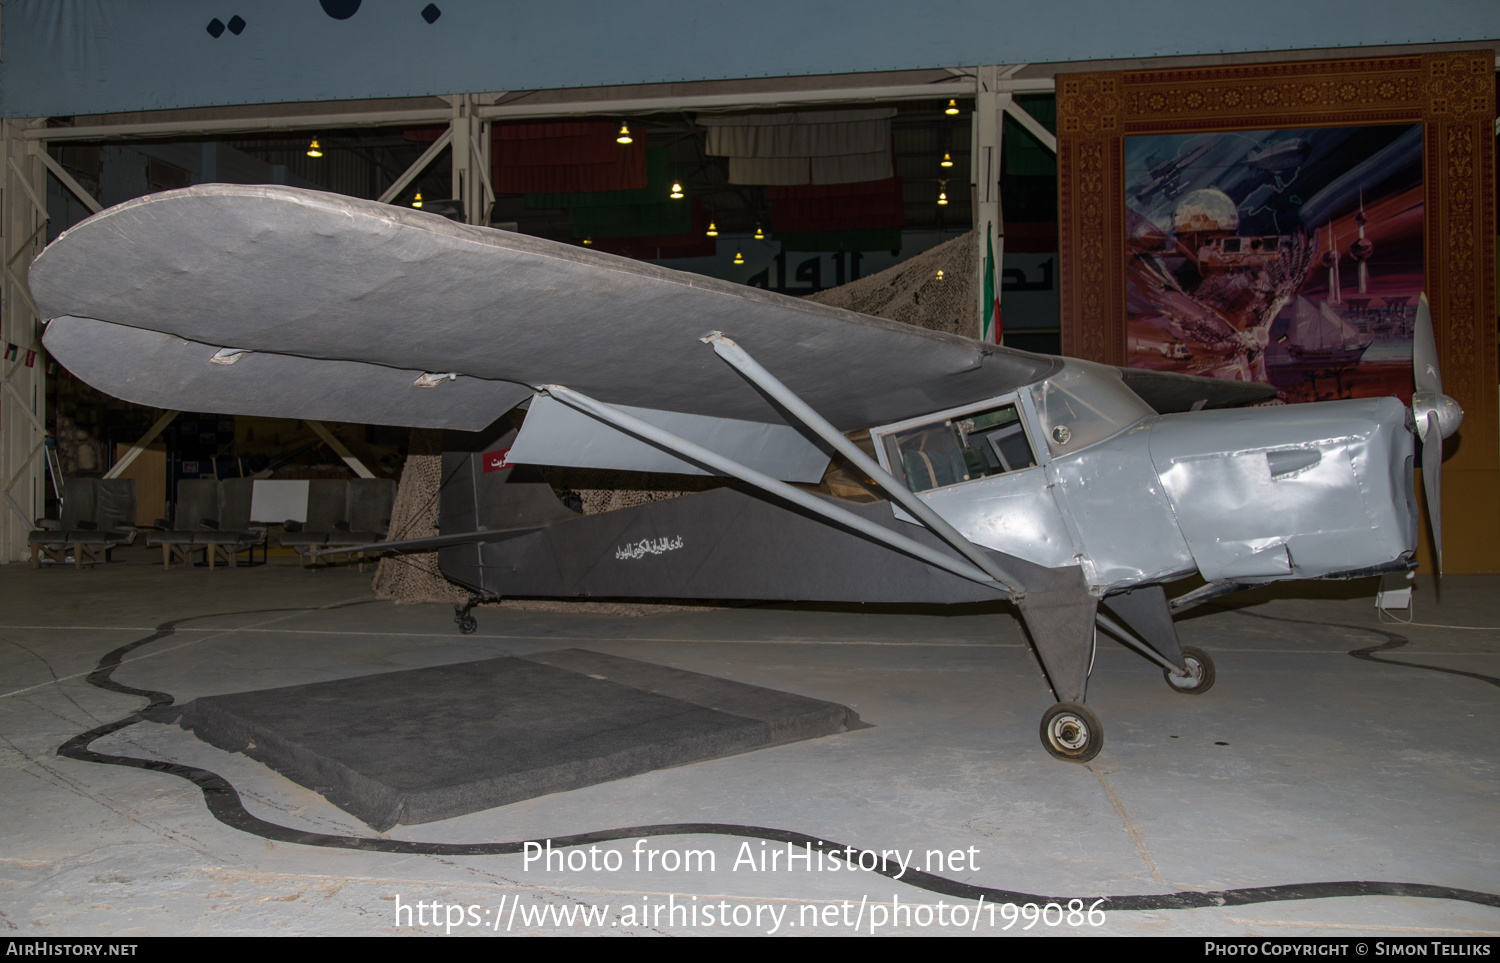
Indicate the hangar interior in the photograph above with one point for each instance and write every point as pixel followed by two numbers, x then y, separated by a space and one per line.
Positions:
pixel 1338 780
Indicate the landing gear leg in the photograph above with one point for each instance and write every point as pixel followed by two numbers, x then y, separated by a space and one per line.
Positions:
pixel 467 624
pixel 1060 617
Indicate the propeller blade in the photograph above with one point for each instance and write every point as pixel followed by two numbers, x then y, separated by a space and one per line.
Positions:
pixel 1432 478
pixel 1424 356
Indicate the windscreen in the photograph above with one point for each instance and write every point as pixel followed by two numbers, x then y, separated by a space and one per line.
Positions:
pixel 1084 403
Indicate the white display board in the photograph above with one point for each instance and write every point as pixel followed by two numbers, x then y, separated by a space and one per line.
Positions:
pixel 279 501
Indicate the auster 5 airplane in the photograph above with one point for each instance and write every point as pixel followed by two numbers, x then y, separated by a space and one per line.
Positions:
pixel 1055 483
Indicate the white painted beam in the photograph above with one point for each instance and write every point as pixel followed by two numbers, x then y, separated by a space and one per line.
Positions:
pixel 354 464
pixel 67 180
pixel 1032 125
pixel 961 86
pixel 141 444
pixel 416 169
pixel 990 101
pixel 243 125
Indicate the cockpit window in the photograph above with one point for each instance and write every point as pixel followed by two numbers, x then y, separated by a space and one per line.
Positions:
pixel 955 450
pixel 1084 403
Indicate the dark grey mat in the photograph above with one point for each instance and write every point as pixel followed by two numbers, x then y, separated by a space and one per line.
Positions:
pixel 428 744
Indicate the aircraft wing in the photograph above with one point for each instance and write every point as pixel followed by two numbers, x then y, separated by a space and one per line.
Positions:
pixel 340 304
pixel 1169 392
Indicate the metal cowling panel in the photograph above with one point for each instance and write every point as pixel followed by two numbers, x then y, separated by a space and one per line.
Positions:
pixel 1296 491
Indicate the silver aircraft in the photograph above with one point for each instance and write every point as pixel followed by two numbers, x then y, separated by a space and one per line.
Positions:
pixel 1075 490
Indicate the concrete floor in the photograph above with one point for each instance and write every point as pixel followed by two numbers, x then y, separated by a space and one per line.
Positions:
pixel 1303 768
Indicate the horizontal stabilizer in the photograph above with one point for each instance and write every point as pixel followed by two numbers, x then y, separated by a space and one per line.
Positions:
pixel 556 434
pixel 163 371
pixel 431 544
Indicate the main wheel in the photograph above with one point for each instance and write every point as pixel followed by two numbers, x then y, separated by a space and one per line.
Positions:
pixel 1200 675
pixel 1071 731
pixel 467 624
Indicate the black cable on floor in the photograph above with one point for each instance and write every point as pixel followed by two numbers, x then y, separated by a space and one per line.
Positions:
pixel 1367 654
pixel 224 804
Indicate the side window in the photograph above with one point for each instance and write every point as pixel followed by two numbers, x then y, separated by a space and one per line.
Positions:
pixel 954 450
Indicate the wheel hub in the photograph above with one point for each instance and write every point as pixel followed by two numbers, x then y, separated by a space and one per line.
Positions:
pixel 1191 677
pixel 1070 733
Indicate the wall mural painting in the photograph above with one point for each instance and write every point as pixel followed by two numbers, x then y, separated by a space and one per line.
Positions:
pixel 1293 257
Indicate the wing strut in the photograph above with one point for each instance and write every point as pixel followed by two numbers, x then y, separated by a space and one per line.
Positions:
pixel 740 359
pixel 728 466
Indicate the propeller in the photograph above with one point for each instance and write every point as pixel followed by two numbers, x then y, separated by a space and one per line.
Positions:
pixel 1437 416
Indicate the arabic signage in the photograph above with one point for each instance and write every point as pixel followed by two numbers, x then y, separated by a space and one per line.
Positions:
pixel 496 460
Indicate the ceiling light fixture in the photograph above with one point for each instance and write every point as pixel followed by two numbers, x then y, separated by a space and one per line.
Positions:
pixel 313 150
pixel 713 229
pixel 417 201
pixel 677 190
pixel 952 108
pixel 947 160
pixel 759 234
pixel 738 257
pixel 624 135
pixel 942 193
pixel 588 240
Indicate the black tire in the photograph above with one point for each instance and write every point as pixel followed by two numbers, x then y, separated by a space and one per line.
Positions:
pixel 467 624
pixel 1200 676
pixel 1071 732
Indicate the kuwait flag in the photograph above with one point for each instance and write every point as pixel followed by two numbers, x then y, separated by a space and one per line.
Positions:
pixel 991 328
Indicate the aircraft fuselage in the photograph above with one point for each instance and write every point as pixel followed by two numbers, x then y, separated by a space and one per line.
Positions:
pixel 1251 494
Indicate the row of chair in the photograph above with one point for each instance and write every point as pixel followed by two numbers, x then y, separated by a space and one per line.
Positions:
pixel 342 514
pixel 97 515
pixel 213 517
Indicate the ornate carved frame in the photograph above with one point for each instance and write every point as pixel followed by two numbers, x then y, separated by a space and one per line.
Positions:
pixel 1451 94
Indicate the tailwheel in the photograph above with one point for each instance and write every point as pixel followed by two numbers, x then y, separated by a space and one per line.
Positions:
pixel 466 622
pixel 1200 672
pixel 1072 732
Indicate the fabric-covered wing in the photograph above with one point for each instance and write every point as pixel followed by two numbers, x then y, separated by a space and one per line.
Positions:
pixel 280 271
pixel 164 371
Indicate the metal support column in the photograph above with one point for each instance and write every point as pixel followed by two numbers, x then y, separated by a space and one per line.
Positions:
pixel 23 233
pixel 471 159
pixel 987 126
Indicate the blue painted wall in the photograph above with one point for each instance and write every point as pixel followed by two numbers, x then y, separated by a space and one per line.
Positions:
pixel 61 57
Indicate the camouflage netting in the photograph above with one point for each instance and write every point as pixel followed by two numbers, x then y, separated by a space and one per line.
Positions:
pixel 415 577
pixel 910 292
pixel 602 491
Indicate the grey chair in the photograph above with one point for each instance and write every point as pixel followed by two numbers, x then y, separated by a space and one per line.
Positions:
pixel 235 532
pixel 327 515
pixel 97 515
pixel 212 517
pixel 197 513
pixel 367 514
